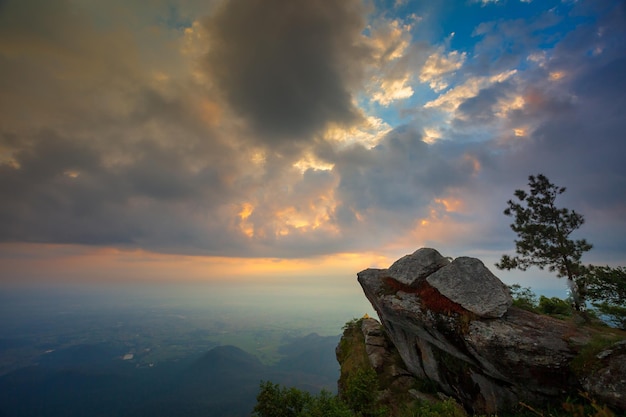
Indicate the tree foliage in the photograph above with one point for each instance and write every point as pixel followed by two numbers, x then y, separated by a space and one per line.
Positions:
pixel 523 297
pixel 326 404
pixel 543 231
pixel 554 306
pixel 274 400
pixel 606 289
pixel 360 393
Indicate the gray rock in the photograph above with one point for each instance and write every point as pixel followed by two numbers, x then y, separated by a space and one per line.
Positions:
pixel 375 342
pixel 607 379
pixel 467 282
pixel 396 383
pixel 414 268
pixel 498 356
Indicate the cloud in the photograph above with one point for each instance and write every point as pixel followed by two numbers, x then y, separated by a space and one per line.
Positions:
pixel 391 75
pixel 281 129
pixel 438 65
pixel 573 131
pixel 503 44
pixel 392 90
pixel 288 67
pixel 62 190
pixel 382 191
pixel 94 150
pixel 470 88
pixel 389 39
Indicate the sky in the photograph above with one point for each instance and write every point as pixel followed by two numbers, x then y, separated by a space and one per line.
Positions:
pixel 264 140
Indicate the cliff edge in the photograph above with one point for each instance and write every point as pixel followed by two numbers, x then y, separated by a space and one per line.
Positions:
pixel 454 327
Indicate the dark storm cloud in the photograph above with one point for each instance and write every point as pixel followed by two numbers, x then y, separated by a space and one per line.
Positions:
pixel 60 189
pixel 287 66
pixel 94 149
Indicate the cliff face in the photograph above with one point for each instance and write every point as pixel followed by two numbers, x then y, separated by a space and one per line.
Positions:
pixel 453 325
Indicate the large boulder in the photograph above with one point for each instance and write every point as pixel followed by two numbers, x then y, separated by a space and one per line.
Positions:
pixel 467 282
pixel 412 269
pixel 455 327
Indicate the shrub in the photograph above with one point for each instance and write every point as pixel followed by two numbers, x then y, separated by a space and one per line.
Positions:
pixel 326 405
pixel 276 401
pixel 523 297
pixel 446 408
pixel 361 392
pixel 554 306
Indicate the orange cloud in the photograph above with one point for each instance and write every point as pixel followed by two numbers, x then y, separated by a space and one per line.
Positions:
pixel 308 217
pixel 210 112
pixel 47 263
pixel 244 225
pixel 450 204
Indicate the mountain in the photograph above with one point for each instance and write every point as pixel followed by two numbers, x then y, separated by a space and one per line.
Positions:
pixel 93 380
pixel 309 363
pixel 311 354
pixel 224 360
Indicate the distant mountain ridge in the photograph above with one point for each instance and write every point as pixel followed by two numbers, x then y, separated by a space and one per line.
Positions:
pixel 224 358
pixel 92 380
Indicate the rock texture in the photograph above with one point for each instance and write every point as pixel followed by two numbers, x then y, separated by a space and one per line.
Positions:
pixel 469 283
pixel 453 325
pixel 413 269
pixel 383 357
pixel 606 379
pixel 366 345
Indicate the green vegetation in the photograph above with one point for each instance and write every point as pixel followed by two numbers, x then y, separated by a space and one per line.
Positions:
pixel 445 408
pixel 351 353
pixel 543 230
pixel 607 297
pixel 583 406
pixel 554 306
pixel 358 382
pixel 606 289
pixel 360 394
pixel 361 386
pixel 587 359
pixel 591 409
pixel 276 401
pixel 524 298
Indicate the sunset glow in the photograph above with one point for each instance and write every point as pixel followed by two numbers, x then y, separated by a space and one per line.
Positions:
pixel 243 140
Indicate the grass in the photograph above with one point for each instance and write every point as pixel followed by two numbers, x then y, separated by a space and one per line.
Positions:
pixel 586 360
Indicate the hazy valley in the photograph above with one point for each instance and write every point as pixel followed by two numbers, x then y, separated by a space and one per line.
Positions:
pixel 108 352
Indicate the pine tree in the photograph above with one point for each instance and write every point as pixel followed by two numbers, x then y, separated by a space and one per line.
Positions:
pixel 543 230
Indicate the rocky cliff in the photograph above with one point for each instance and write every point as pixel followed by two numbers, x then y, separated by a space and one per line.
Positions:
pixel 454 327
